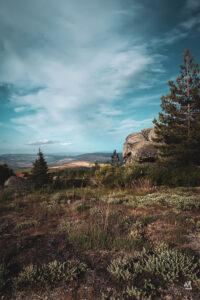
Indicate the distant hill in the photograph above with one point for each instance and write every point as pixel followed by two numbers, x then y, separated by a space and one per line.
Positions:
pixel 93 157
pixel 23 161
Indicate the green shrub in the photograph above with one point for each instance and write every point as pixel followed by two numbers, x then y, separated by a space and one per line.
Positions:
pixel 108 175
pixel 182 176
pixel 181 202
pixel 171 264
pixel 83 206
pixel 76 183
pixel 128 175
pixel 96 210
pixel 133 172
pixel 128 267
pixel 4 228
pixel 25 225
pixel 67 226
pixel 49 275
pixel 144 293
pixel 57 184
pixel 6 195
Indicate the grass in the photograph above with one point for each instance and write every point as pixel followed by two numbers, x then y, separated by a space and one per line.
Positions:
pixel 26 225
pixel 114 232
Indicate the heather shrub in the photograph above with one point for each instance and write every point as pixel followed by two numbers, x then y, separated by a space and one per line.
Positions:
pixel 6 195
pixel 49 275
pixel 171 264
pixel 25 225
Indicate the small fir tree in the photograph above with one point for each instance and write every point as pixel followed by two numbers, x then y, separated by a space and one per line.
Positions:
pixel 178 127
pixel 115 159
pixel 39 171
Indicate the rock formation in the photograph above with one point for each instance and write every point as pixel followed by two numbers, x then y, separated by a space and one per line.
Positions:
pixel 18 184
pixel 139 147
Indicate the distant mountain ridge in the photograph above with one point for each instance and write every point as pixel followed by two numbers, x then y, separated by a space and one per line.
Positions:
pixel 22 161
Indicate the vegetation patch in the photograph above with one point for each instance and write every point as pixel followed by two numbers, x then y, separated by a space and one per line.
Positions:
pixel 154 269
pixel 180 202
pixel 25 225
pixel 49 275
pixel 6 195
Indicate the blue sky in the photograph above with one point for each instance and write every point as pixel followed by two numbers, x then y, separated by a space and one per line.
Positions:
pixel 79 76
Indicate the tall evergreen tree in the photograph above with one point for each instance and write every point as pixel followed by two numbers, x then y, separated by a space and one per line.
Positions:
pixel 178 128
pixel 115 159
pixel 39 171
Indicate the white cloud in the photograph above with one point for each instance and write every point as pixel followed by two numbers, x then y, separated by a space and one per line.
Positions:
pixel 65 144
pixel 75 51
pixel 20 109
pixel 43 142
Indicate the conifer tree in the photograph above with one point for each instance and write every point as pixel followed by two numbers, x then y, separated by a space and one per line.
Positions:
pixel 115 159
pixel 178 127
pixel 39 171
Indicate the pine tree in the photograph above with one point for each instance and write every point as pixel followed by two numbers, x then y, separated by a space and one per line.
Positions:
pixel 39 171
pixel 115 159
pixel 178 128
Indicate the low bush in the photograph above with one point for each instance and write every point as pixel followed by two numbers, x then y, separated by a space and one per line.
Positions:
pixel 170 176
pixel 162 265
pixel 83 206
pixel 109 176
pixel 49 275
pixel 6 195
pixel 133 173
pixel 25 225
pixel 125 176
pixel 180 202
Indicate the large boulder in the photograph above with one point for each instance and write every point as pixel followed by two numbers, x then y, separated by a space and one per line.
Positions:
pixel 139 147
pixel 18 184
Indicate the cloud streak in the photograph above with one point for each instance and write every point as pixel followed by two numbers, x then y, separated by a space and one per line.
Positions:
pixel 43 142
pixel 81 60
pixel 70 66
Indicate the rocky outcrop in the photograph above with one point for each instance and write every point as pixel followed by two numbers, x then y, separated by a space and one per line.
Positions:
pixel 139 147
pixel 18 184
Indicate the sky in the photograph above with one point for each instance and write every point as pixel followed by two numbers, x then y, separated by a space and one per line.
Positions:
pixel 78 76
